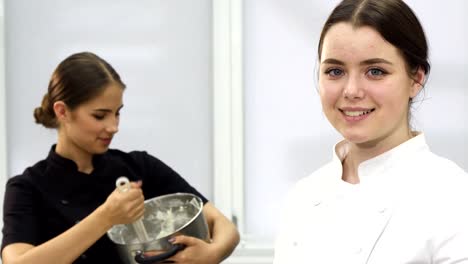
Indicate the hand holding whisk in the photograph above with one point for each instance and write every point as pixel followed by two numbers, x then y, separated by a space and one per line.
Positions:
pixel 123 185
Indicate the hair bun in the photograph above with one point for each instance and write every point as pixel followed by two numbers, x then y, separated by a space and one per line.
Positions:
pixel 45 117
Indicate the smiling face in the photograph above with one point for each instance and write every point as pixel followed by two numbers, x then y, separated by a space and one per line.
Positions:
pixel 89 128
pixel 364 86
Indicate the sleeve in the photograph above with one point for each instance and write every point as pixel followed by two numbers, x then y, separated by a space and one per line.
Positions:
pixel 450 243
pixel 19 216
pixel 160 179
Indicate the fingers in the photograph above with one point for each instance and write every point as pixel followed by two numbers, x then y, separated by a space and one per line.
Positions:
pixel 158 252
pixel 136 184
pixel 134 194
pixel 195 250
pixel 134 209
pixel 126 207
pixel 185 240
pixel 133 201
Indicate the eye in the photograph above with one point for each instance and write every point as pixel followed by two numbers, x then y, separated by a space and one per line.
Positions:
pixel 334 72
pixel 98 117
pixel 376 72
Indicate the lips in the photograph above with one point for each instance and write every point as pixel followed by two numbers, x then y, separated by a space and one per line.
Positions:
pixel 355 113
pixel 106 140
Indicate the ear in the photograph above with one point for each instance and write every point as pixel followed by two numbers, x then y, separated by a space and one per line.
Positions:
pixel 418 82
pixel 60 110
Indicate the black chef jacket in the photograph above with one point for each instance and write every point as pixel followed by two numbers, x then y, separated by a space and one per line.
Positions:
pixel 52 196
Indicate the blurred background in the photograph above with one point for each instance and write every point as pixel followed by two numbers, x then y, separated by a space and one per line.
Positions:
pixel 223 91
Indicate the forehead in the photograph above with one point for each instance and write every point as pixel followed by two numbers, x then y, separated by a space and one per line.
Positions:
pixel 348 43
pixel 111 97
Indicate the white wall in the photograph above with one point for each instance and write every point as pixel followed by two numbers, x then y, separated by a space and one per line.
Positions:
pixel 162 50
pixel 3 163
pixel 287 136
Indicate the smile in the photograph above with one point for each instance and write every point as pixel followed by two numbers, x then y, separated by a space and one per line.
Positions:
pixel 357 113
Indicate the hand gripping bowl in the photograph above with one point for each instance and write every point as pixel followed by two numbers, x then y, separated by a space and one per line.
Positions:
pixel 165 217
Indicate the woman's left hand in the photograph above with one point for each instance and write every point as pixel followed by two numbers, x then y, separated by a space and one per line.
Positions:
pixel 196 251
pixel 224 238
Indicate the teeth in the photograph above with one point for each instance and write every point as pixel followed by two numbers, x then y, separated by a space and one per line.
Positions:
pixel 356 113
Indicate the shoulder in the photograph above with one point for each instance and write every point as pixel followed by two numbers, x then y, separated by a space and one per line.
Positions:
pixel 440 183
pixel 141 164
pixel 120 154
pixel 29 175
pixel 21 190
pixel 440 170
pixel 136 156
pixel 442 193
pixel 18 184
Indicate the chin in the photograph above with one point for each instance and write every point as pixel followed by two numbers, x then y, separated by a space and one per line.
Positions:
pixel 364 142
pixel 356 138
pixel 101 150
pixel 357 141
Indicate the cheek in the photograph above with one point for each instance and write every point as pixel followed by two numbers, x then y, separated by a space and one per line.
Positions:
pixel 379 95
pixel 394 95
pixel 89 126
pixel 329 94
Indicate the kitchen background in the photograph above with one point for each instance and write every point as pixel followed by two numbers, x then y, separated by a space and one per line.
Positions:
pixel 224 91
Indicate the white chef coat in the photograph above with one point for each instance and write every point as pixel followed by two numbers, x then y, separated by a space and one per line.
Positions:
pixel 411 206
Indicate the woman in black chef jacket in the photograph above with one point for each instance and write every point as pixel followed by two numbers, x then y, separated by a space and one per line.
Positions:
pixel 59 209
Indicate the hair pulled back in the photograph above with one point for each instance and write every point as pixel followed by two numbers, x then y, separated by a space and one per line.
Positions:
pixel 393 19
pixel 76 80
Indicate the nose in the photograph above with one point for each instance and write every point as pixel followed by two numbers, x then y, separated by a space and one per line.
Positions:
pixel 113 125
pixel 353 88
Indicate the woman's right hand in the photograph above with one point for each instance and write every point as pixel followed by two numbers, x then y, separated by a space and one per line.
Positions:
pixel 124 207
pixel 119 208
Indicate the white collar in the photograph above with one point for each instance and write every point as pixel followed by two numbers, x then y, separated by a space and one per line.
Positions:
pixel 376 165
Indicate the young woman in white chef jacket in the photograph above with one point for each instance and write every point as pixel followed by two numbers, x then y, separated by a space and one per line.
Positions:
pixel 384 197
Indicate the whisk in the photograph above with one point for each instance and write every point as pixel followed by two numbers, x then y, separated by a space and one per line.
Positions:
pixel 123 185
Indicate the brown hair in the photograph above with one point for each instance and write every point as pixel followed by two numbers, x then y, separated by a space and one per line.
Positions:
pixel 77 79
pixel 393 19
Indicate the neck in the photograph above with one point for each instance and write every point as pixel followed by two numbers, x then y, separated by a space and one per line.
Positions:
pixel 82 159
pixel 361 152
pixel 350 173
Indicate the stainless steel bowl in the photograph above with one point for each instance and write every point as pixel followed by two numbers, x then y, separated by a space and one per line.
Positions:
pixel 165 217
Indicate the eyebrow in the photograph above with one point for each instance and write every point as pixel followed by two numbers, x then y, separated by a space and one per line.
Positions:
pixel 364 62
pixel 107 110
